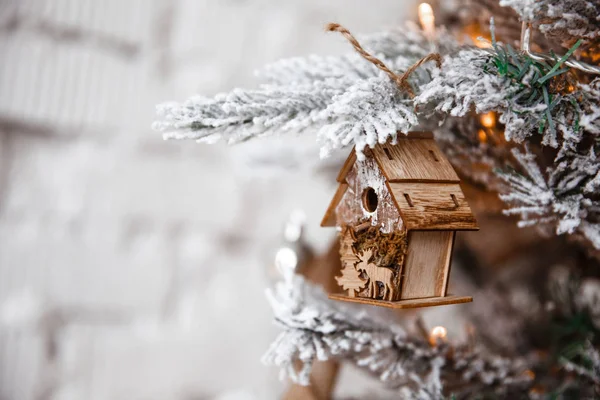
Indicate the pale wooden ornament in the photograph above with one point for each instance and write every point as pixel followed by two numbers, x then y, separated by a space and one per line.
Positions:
pixel 397 212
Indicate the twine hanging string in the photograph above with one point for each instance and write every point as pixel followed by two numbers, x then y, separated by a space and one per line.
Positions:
pixel 400 80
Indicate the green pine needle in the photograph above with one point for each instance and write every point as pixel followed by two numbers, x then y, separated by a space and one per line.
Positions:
pixel 563 59
pixel 533 78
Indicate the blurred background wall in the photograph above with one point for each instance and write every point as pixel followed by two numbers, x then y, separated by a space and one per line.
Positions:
pixel 133 268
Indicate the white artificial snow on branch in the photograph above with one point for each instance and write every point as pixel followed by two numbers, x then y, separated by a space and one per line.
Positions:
pixel 370 112
pixel 346 98
pixel 241 114
pixel 462 85
pixel 317 329
pixel 562 20
pixel 557 199
pixel 470 80
pixel 592 370
pixel 397 48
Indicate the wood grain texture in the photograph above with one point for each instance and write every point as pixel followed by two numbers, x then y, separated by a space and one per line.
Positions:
pixel 415 135
pixel 414 160
pixel 411 303
pixel 365 175
pixel 348 164
pixel 431 206
pixel 426 263
pixel 350 279
pixel 376 275
pixel 446 273
pixel 329 219
pixel 347 256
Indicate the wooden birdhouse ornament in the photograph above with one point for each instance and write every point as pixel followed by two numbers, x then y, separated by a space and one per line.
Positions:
pixel 397 212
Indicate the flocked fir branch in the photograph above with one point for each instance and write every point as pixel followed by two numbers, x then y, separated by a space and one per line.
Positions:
pixel 564 310
pixel 350 102
pixel 317 329
pixel 562 20
pixel 532 97
pixel 346 97
pixel 562 197
pixel 553 324
pixel 397 48
pixel 589 367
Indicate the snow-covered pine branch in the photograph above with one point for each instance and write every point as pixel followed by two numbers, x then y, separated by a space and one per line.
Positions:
pixel 591 372
pixel 369 112
pixel 315 328
pixel 562 198
pixel 527 95
pixel 590 116
pixel 462 84
pixel 346 97
pixel 242 114
pixel 561 20
pixel 397 48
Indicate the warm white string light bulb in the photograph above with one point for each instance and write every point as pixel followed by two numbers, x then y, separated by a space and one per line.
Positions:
pixel 427 20
pixel 437 334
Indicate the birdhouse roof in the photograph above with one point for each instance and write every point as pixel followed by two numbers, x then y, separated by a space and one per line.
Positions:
pixel 422 182
pixel 415 158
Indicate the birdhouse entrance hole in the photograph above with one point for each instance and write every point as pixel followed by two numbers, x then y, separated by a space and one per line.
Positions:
pixel 370 199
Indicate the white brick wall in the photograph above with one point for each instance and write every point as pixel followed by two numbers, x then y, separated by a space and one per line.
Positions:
pixel 136 267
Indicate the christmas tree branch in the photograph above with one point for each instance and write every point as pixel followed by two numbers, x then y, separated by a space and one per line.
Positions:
pixel 350 101
pixel 317 329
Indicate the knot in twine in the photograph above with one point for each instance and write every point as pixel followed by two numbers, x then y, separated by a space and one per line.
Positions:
pixel 400 80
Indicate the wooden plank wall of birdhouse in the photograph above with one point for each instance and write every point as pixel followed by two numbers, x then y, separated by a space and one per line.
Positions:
pixel 330 218
pixel 414 159
pixel 433 206
pixel 351 211
pixel 427 265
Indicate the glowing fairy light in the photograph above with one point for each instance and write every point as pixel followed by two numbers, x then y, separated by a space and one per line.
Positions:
pixel 529 374
pixel 482 136
pixel 488 120
pixel 427 19
pixel 437 334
